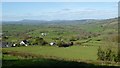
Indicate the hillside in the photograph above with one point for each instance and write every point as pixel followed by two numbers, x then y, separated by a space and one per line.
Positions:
pixel 87 37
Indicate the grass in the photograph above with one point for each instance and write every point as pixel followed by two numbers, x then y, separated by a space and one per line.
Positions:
pixel 74 52
pixel 48 63
pixel 92 27
pixel 9 57
pixel 86 51
pixel 18 62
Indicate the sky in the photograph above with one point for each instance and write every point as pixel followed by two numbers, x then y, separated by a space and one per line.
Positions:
pixel 12 11
pixel 60 0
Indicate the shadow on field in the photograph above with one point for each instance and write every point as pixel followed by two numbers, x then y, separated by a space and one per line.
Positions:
pixel 49 63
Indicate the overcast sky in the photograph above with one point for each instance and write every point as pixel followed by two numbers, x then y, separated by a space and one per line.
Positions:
pixel 58 10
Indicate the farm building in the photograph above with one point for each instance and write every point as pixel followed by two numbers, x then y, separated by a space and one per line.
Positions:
pixel 6 44
pixel 24 42
pixel 52 43
pixel 43 34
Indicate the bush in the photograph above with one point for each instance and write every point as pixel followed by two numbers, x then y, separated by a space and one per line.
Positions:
pixel 64 44
pixel 107 55
pixel 56 38
pixel 73 38
pixel 101 54
pixel 78 43
pixel 59 43
pixel 39 41
pixel 116 58
pixel 5 37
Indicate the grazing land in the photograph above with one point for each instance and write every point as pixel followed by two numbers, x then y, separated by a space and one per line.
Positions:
pixel 87 37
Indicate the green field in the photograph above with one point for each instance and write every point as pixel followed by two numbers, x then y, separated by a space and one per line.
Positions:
pixel 74 52
pixel 87 38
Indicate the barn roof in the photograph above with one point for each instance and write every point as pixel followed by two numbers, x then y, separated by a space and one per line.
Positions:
pixel 3 44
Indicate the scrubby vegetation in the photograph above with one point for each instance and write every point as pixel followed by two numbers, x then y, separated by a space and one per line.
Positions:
pixel 109 52
pixel 38 41
pixel 108 55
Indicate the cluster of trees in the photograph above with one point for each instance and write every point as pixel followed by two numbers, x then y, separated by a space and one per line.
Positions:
pixel 108 55
pixel 38 41
pixel 64 44
pixel 41 41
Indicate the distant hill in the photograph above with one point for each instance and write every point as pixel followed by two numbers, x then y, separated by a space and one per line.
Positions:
pixel 83 21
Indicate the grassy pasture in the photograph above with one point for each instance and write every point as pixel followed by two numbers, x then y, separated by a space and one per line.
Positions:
pixel 74 52
pixel 75 56
pixel 47 63
pixel 86 51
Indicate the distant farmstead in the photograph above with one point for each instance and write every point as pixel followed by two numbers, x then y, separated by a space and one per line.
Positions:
pixel 24 42
pixel 52 43
pixel 6 44
pixel 43 34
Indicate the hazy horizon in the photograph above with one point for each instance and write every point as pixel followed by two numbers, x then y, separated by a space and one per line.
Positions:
pixel 15 11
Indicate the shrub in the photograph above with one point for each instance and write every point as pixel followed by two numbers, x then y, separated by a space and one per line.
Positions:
pixel 73 38
pixel 64 44
pixel 59 43
pixel 78 43
pixel 98 40
pixel 101 54
pixel 107 55
pixel 5 37
pixel 56 38
pixel 116 58
pixel 39 41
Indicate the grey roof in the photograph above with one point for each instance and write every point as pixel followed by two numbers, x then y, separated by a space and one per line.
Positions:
pixel 4 44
